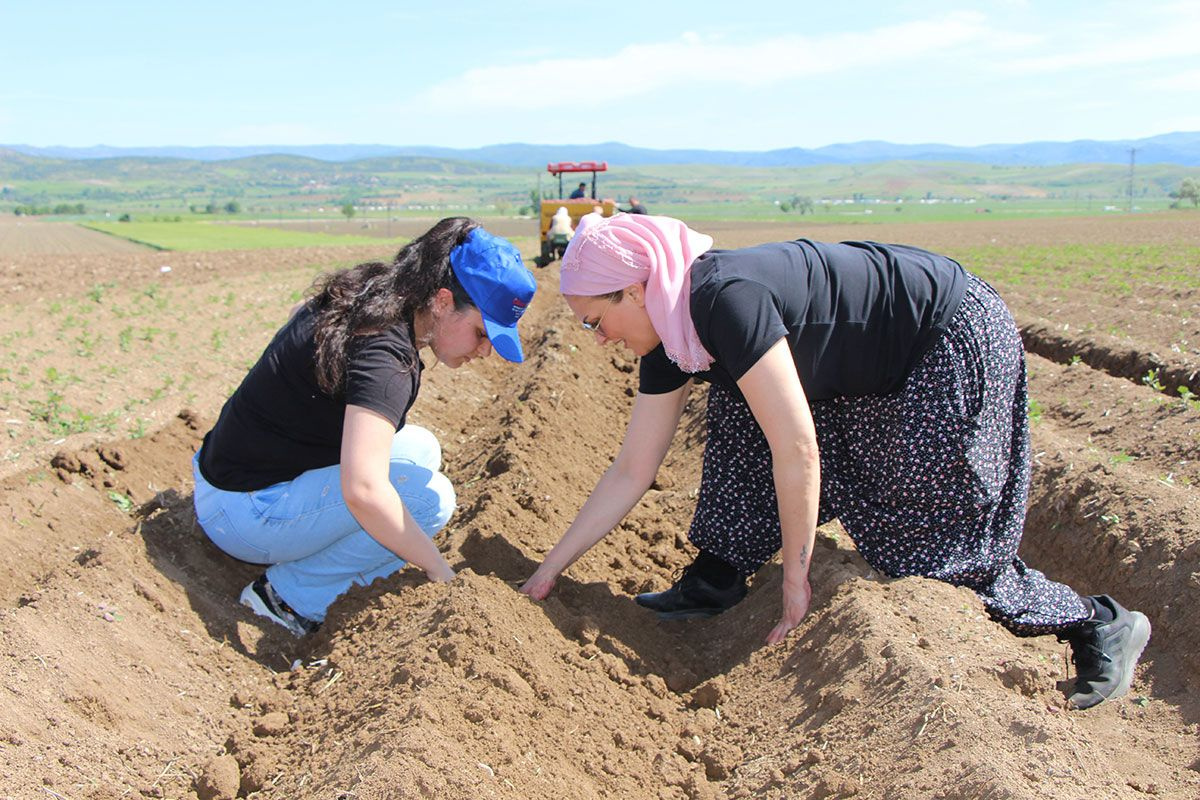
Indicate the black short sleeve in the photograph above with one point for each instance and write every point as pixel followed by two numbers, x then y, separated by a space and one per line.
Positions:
pixel 740 326
pixel 280 422
pixel 857 316
pixel 658 374
pixel 381 376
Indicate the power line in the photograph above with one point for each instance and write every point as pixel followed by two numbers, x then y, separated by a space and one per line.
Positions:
pixel 1132 150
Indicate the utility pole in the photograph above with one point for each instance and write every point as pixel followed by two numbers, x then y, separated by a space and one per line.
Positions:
pixel 1132 150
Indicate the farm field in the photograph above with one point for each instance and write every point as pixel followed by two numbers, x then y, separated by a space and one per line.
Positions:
pixel 205 236
pixel 129 669
pixel 25 236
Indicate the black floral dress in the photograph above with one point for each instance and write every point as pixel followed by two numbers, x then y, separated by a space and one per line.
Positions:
pixel 930 480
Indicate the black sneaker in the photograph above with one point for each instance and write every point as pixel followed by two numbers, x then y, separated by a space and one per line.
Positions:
pixel 260 597
pixel 1105 653
pixel 692 596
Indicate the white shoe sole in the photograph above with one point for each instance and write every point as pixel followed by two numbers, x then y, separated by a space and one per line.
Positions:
pixel 252 601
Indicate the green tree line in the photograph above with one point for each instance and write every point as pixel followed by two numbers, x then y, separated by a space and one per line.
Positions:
pixel 38 211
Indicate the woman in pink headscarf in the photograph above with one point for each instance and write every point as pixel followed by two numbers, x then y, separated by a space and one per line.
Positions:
pixel 906 369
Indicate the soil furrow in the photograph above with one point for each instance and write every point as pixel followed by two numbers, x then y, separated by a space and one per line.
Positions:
pixel 1119 358
pixel 1122 531
pixel 1123 422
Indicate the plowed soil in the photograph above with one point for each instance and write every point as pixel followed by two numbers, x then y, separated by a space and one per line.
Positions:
pixel 129 669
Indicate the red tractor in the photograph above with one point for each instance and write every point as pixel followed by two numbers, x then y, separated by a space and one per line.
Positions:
pixel 553 245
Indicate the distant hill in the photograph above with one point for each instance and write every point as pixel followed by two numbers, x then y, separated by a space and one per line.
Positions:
pixel 281 169
pixel 498 178
pixel 1170 148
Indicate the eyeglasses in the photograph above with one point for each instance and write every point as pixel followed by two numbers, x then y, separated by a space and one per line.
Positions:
pixel 594 327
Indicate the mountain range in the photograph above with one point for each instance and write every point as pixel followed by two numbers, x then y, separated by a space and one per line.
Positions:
pixel 1182 148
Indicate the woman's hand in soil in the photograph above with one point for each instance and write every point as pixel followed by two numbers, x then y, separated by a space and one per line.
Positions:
pixel 539 585
pixel 796 597
pixel 441 573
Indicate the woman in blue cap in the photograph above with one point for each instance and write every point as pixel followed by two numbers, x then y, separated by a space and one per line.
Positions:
pixel 311 467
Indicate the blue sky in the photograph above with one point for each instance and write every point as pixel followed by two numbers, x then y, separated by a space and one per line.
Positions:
pixel 716 75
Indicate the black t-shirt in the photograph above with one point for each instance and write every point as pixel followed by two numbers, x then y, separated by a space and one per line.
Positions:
pixel 280 423
pixel 858 316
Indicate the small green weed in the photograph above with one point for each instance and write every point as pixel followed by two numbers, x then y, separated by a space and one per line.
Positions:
pixel 161 391
pixel 123 502
pixel 1035 411
pixel 58 416
pixel 62 420
pixel 86 344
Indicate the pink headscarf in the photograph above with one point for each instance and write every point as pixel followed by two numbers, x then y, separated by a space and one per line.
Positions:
pixel 610 254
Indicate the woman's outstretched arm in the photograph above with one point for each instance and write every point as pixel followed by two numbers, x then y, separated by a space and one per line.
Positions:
pixel 773 391
pixel 651 429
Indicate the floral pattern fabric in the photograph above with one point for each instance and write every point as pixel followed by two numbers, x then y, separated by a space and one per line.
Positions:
pixel 931 480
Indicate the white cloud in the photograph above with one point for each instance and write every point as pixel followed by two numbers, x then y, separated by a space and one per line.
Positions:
pixel 1168 32
pixel 642 68
pixel 1166 124
pixel 1188 81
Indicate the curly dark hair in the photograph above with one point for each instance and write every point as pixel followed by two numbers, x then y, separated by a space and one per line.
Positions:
pixel 374 296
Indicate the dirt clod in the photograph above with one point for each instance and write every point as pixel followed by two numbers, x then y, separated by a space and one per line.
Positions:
pixel 271 724
pixel 220 778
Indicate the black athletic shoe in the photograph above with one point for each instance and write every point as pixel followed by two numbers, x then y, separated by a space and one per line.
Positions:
pixel 692 596
pixel 1105 653
pixel 260 597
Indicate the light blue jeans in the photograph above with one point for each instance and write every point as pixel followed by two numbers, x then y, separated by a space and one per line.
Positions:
pixel 303 529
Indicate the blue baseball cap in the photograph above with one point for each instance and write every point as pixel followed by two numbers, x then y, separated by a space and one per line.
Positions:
pixel 495 277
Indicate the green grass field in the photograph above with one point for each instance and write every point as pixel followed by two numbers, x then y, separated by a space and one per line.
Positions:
pixel 187 236
pixel 911 211
pixel 1117 269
